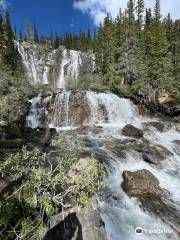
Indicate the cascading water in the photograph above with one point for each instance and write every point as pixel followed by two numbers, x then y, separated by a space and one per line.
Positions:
pixel 33 119
pixel 60 115
pixel 29 63
pixel 109 108
pixel 120 213
pixel 40 62
pixel 38 112
pixel 71 62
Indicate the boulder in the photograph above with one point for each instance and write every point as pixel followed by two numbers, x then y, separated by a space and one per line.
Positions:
pixel 131 131
pixel 141 184
pixel 158 125
pixel 79 223
pixel 153 154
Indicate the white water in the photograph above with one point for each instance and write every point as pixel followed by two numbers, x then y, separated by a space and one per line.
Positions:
pixel 29 63
pixel 60 116
pixel 38 62
pixel 119 111
pixel 122 216
pixel 33 119
pixel 70 67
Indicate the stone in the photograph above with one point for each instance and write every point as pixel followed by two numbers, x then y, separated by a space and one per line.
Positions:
pixel 158 125
pixel 140 184
pixel 155 154
pixel 131 131
pixel 77 224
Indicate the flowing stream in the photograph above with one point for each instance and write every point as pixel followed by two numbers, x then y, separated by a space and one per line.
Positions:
pixel 105 114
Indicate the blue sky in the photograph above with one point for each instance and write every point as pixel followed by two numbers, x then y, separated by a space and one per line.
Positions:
pixel 73 15
pixel 49 15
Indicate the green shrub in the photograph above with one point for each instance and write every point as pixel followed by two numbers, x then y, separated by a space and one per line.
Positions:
pixel 43 186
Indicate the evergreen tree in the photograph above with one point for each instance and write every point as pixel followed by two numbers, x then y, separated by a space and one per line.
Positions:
pixel 36 35
pixel 10 53
pixel 89 39
pixel 131 12
pixel 140 12
pixel 29 32
pixel 157 10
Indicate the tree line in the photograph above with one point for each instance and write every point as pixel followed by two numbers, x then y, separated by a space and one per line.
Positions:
pixel 139 47
pixel 81 42
pixel 8 52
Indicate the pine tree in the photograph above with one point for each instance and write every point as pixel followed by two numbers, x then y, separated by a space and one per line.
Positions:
pixel 176 52
pixel 89 39
pixel 130 9
pixel 36 35
pixel 140 12
pixel 157 10
pixel 160 57
pixel 10 53
pixel 29 32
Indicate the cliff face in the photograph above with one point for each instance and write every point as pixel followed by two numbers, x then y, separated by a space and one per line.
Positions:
pixel 58 67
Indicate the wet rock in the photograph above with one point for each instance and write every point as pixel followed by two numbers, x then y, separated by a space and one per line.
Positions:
pixel 162 209
pixel 177 142
pixel 79 109
pixel 77 224
pixel 131 131
pixel 89 129
pixel 153 154
pixel 141 184
pixel 158 125
pixel 117 148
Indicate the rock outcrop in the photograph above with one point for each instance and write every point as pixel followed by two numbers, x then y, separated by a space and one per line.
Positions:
pixel 141 184
pixel 77 224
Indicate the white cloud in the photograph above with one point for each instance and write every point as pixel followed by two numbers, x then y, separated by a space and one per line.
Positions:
pixel 3 4
pixel 98 9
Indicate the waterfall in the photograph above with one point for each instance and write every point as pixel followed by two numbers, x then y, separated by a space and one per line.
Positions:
pixel 35 113
pixel 40 62
pixel 38 112
pixel 94 108
pixel 29 63
pixel 70 67
pixel 60 116
pixel 107 107
pixel 68 109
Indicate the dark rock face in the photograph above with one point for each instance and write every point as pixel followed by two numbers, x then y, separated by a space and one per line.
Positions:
pixel 67 229
pixel 131 131
pixel 82 224
pixel 158 125
pixel 141 184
